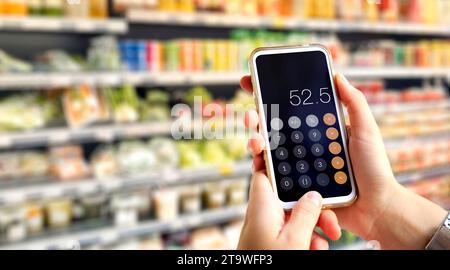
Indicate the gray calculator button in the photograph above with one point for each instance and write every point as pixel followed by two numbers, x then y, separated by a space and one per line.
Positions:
pixel 297 137
pixel 281 153
pixel 276 124
pixel 277 139
pixel 314 135
pixel 284 168
pixel 304 181
pixel 294 122
pixel 286 183
pixel 317 150
pixel 320 164
pixel 312 120
pixel 299 151
pixel 302 166
pixel 323 179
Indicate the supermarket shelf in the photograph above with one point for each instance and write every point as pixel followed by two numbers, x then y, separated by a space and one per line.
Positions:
pixel 115 234
pixel 170 177
pixel 406 178
pixel 46 80
pixel 77 25
pixel 100 133
pixel 381 109
pixel 234 21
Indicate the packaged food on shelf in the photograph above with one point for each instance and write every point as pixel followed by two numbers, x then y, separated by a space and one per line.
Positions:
pixel 79 9
pixel 155 107
pixel 27 111
pixel 84 105
pixel 98 9
pixel 165 151
pixel 33 164
pixel 67 163
pixel 166 204
pixel 237 191
pixel 134 157
pixel 35 217
pixel 11 64
pixel 213 153
pixel 13 225
pixel 190 156
pixel 94 206
pixel 104 54
pixel 125 209
pixel 104 162
pixel 214 195
pixel 57 61
pixel 124 104
pixel 190 200
pixel 9 165
pixel 59 213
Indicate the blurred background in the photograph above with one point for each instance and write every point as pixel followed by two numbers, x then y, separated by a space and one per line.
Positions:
pixel 86 90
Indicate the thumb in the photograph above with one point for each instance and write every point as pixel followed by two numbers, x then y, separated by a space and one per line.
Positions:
pixel 264 214
pixel 304 218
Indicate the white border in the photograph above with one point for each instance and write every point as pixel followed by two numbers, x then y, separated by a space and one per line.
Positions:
pixel 327 202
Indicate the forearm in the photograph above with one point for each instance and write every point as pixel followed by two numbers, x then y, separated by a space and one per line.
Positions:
pixel 409 223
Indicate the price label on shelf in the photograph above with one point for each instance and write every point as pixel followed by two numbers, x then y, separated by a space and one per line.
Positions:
pixel 104 135
pixel 6 141
pixel 58 137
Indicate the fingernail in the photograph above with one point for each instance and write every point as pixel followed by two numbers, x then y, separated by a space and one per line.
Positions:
pixel 315 198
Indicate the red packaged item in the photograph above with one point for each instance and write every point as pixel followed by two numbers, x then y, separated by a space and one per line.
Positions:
pixel 155 56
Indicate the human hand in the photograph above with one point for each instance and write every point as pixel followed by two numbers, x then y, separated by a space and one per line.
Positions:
pixel 268 226
pixel 382 200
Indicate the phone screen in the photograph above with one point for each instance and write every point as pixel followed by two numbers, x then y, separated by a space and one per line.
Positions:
pixel 306 143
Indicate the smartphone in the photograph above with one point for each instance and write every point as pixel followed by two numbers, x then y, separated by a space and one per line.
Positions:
pixel 303 124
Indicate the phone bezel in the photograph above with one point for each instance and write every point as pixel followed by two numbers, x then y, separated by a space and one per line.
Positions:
pixel 330 202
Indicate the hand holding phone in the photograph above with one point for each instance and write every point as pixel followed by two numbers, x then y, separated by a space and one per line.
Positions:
pixel 302 124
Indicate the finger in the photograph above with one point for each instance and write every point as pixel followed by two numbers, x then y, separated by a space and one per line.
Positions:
pixel 360 115
pixel 261 197
pixel 318 242
pixel 258 163
pixel 256 144
pixel 304 218
pixel 329 224
pixel 246 83
pixel 251 119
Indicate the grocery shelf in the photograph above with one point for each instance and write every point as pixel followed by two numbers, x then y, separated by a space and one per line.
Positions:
pixel 48 80
pixel 76 25
pixel 406 178
pixel 235 21
pixel 152 179
pixel 98 133
pixel 114 234
pixel 381 109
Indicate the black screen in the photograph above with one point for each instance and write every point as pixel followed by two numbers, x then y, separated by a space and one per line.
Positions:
pixel 307 146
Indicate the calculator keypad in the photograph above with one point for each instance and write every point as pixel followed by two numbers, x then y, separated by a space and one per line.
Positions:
pixel 317 159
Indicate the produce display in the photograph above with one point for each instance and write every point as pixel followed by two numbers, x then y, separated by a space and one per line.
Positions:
pixel 55 8
pixel 38 217
pixel 85 105
pixel 418 11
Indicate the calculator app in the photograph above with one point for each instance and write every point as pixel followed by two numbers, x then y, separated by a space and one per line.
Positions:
pixel 306 143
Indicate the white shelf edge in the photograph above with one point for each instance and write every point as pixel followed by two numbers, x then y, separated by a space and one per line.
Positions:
pixel 224 20
pixel 15 195
pixel 76 25
pixel 46 80
pixel 111 234
pixel 100 133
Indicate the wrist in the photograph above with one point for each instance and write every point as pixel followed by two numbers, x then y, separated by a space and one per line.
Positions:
pixel 408 222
